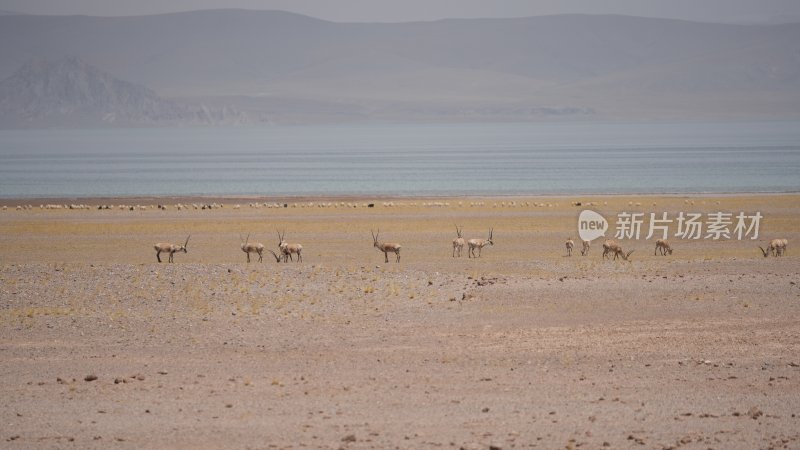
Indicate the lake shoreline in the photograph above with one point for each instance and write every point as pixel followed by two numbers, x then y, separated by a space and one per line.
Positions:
pixel 170 200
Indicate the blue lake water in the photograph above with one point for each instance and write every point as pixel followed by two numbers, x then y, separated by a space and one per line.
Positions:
pixel 404 160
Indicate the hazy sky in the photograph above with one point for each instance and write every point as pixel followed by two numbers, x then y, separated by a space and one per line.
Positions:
pixel 747 11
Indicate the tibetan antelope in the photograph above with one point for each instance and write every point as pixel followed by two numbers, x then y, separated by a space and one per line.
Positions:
pixel 585 247
pixel 386 247
pixel 663 246
pixel 618 252
pixel 458 243
pixel 252 248
pixel 288 249
pixel 479 244
pixel 570 245
pixel 170 248
pixel 776 246
pixel 607 247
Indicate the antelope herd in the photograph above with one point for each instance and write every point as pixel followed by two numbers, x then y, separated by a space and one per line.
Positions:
pixel 286 252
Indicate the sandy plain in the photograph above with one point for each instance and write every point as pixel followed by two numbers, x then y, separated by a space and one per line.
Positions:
pixel 521 348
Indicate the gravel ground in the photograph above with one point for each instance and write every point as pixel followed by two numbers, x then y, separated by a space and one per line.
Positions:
pixel 697 350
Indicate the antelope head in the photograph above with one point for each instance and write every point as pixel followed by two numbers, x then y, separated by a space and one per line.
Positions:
pixel 244 241
pixel 375 239
pixel 765 252
pixel 627 255
pixel 185 244
pixel 281 242
pixel 459 230
pixel 489 241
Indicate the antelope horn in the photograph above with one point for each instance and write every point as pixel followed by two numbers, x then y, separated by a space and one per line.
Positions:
pixel 248 239
pixel 629 254
pixel 187 241
pixel 277 258
pixel 763 251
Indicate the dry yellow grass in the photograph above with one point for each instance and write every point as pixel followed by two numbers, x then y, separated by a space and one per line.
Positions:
pixel 340 236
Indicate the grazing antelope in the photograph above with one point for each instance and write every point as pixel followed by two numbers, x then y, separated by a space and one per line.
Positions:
pixel 386 247
pixel 607 247
pixel 170 248
pixel 776 246
pixel 252 248
pixel 479 244
pixel 663 246
pixel 570 245
pixel 618 252
pixel 458 243
pixel 585 247
pixel 288 249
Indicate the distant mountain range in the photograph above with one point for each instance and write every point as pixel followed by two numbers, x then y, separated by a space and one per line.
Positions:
pixel 70 92
pixel 282 67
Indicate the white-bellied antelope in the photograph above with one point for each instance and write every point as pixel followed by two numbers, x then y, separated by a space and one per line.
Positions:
pixel 776 246
pixel 458 243
pixel 585 247
pixel 255 247
pixel 479 244
pixel 607 247
pixel 386 247
pixel 288 249
pixel 170 248
pixel 663 246
pixel 616 249
pixel 570 244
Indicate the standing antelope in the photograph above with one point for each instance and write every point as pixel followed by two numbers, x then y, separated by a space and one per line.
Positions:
pixel 479 244
pixel 585 247
pixel 663 246
pixel 458 243
pixel 252 248
pixel 607 247
pixel 288 249
pixel 170 248
pixel 386 247
pixel 570 245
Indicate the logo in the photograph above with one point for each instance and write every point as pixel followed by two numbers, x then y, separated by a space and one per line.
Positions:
pixel 691 225
pixel 591 225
